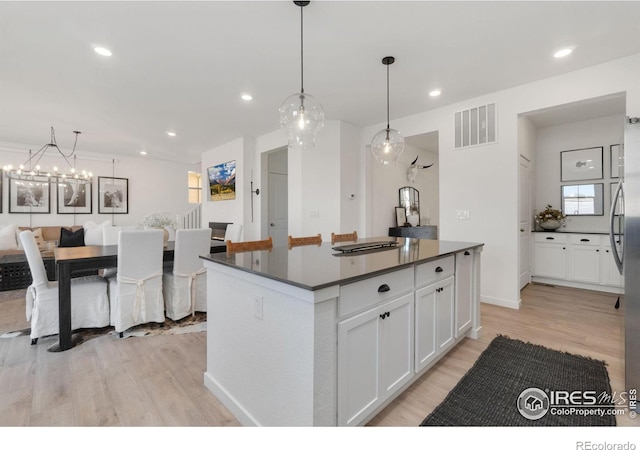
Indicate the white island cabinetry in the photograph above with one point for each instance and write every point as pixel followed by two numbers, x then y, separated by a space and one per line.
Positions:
pixel 305 337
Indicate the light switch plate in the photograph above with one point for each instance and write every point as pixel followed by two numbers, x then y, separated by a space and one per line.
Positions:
pixel 462 214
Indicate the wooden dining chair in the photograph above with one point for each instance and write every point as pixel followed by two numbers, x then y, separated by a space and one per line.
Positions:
pixel 344 237
pixel 248 246
pixel 306 240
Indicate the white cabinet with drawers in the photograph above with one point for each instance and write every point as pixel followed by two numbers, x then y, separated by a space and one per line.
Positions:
pixel 581 260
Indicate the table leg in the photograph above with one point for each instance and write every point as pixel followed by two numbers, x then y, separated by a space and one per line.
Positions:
pixel 64 310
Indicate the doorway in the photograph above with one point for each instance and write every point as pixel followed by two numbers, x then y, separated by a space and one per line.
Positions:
pixel 277 197
pixel 524 221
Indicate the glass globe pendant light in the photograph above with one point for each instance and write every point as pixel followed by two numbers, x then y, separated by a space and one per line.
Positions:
pixel 387 144
pixel 301 115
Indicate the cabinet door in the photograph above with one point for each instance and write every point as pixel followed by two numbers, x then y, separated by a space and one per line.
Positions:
pixel 445 313
pixel 585 264
pixel 463 292
pixel 358 364
pixel 550 260
pixel 434 317
pixel 609 274
pixel 375 351
pixel 396 345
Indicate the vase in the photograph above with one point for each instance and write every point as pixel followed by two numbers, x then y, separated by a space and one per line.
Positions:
pixel 413 219
pixel 550 224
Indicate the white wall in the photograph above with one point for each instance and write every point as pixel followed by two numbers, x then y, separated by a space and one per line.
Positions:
pixel 552 140
pixel 154 185
pixel 237 210
pixel 484 179
pixel 387 180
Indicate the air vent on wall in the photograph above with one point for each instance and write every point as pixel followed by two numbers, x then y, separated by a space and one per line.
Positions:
pixel 475 126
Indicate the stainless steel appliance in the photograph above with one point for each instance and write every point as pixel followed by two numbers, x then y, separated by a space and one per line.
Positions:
pixel 625 242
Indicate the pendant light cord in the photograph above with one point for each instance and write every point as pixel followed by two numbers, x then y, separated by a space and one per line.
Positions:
pixel 388 97
pixel 301 51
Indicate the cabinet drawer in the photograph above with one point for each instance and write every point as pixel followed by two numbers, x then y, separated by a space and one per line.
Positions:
pixel 433 271
pixel 585 239
pixel 366 293
pixel 551 238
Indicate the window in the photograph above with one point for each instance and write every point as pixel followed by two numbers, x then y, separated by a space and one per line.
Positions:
pixel 195 187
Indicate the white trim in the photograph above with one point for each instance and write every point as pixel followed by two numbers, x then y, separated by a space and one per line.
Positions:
pixel 500 302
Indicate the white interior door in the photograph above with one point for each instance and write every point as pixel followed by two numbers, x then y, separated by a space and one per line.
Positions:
pixel 278 208
pixel 524 221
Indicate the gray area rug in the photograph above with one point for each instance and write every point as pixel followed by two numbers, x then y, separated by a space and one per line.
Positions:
pixel 492 392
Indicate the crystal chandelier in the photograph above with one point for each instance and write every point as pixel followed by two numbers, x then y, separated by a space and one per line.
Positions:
pixel 387 144
pixel 31 170
pixel 301 115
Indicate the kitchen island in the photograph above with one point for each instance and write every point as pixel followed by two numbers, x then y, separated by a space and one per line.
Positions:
pixel 311 336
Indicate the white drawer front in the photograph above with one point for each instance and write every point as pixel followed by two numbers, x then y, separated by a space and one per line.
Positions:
pixel 366 293
pixel 585 239
pixel 551 238
pixel 433 271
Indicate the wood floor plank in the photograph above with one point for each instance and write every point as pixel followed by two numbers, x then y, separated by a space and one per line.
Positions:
pixel 158 380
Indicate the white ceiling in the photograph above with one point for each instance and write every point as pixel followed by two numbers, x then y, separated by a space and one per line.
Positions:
pixel 183 65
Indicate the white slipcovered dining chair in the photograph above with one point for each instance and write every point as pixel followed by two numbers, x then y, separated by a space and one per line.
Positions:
pixel 135 293
pixel 233 233
pixel 89 298
pixel 110 235
pixel 185 286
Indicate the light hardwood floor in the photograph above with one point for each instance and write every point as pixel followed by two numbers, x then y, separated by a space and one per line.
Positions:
pixel 158 380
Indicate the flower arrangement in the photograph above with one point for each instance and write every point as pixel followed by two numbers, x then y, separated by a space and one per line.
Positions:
pixel 159 220
pixel 550 214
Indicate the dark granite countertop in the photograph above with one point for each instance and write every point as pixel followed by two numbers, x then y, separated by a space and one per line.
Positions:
pixel 315 267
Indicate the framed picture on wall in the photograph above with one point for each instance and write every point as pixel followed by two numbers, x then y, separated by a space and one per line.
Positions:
pixel 616 160
pixel 113 195
pixel 74 197
pixel 222 181
pixel 26 197
pixel 583 164
pixel 401 216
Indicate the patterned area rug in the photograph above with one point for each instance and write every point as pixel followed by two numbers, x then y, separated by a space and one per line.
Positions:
pixel 514 383
pixel 189 324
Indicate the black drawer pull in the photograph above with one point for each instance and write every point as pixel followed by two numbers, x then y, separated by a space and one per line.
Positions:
pixel 438 269
pixel 384 288
pixel 550 238
pixel 385 314
pixel 584 240
pixel 466 253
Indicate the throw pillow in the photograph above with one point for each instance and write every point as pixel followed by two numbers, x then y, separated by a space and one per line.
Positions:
pixel 93 232
pixel 70 238
pixel 37 234
pixel 8 237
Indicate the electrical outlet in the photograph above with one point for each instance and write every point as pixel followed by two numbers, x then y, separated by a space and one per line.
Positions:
pixel 257 301
pixel 462 214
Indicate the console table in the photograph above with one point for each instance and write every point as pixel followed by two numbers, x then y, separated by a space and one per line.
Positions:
pixel 423 232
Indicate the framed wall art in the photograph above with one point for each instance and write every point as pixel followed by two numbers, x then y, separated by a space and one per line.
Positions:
pixel 616 160
pixel 401 216
pixel 26 197
pixel 113 195
pixel 74 197
pixel 583 164
pixel 222 181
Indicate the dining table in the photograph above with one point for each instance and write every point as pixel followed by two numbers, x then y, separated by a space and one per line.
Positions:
pixel 75 261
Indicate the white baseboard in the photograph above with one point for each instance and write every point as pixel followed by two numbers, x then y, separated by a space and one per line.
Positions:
pixel 227 400
pixel 573 284
pixel 501 302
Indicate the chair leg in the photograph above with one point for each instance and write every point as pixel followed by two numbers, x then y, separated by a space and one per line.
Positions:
pixel 121 334
pixel 34 341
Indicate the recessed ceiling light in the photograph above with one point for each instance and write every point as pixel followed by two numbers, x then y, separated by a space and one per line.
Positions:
pixel 142 152
pixel 246 97
pixel 102 51
pixel 563 52
pixel 435 93
pixel 171 133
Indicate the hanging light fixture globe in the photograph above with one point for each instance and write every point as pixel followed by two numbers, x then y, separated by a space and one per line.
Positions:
pixel 301 115
pixel 387 144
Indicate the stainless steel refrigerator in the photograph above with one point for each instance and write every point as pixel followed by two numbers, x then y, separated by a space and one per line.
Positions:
pixel 625 242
